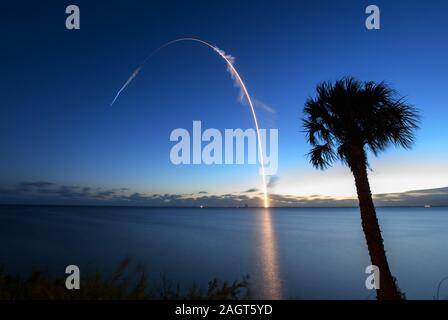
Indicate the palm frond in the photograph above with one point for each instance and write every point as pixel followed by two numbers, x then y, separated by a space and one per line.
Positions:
pixel 365 115
pixel 322 156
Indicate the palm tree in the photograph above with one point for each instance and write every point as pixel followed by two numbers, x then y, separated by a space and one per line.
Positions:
pixel 346 120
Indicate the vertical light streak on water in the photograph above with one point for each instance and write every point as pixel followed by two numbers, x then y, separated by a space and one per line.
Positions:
pixel 271 283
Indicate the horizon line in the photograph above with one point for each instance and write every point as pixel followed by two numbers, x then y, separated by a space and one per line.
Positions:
pixel 211 207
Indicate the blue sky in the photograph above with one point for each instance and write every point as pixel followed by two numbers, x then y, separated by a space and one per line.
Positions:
pixel 56 124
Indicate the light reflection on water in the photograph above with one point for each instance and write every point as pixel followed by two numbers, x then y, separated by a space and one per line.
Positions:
pixel 292 253
pixel 271 286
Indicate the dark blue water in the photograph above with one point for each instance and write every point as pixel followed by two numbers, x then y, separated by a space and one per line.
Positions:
pixel 289 253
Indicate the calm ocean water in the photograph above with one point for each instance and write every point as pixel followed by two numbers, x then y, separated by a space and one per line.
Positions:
pixel 317 253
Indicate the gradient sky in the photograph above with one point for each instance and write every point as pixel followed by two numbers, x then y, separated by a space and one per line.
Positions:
pixel 56 124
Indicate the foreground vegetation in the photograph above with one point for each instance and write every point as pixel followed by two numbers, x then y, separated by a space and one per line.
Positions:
pixel 123 284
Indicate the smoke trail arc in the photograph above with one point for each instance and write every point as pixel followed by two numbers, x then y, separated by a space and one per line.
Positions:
pixel 234 73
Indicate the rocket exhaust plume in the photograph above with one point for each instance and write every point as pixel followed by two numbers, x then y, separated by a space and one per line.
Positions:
pixel 238 83
pixel 133 75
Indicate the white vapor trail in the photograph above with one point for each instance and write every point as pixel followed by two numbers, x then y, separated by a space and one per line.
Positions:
pixel 237 84
pixel 238 81
pixel 133 75
pixel 263 106
pixel 231 61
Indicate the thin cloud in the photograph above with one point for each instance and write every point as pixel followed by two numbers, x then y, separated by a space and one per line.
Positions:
pixel 273 181
pixel 263 106
pixel 42 192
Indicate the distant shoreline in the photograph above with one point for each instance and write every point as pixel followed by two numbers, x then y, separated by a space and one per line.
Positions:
pixel 205 207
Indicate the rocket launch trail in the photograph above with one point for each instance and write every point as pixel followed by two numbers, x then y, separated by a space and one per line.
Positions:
pixel 238 81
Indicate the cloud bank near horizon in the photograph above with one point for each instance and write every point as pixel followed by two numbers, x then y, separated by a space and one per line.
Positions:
pixel 44 192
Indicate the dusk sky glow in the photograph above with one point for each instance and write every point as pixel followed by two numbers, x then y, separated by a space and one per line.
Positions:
pixel 57 125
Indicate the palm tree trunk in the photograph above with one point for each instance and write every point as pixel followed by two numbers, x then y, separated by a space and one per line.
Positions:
pixel 388 289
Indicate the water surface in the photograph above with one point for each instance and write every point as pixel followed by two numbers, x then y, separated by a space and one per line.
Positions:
pixel 316 253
